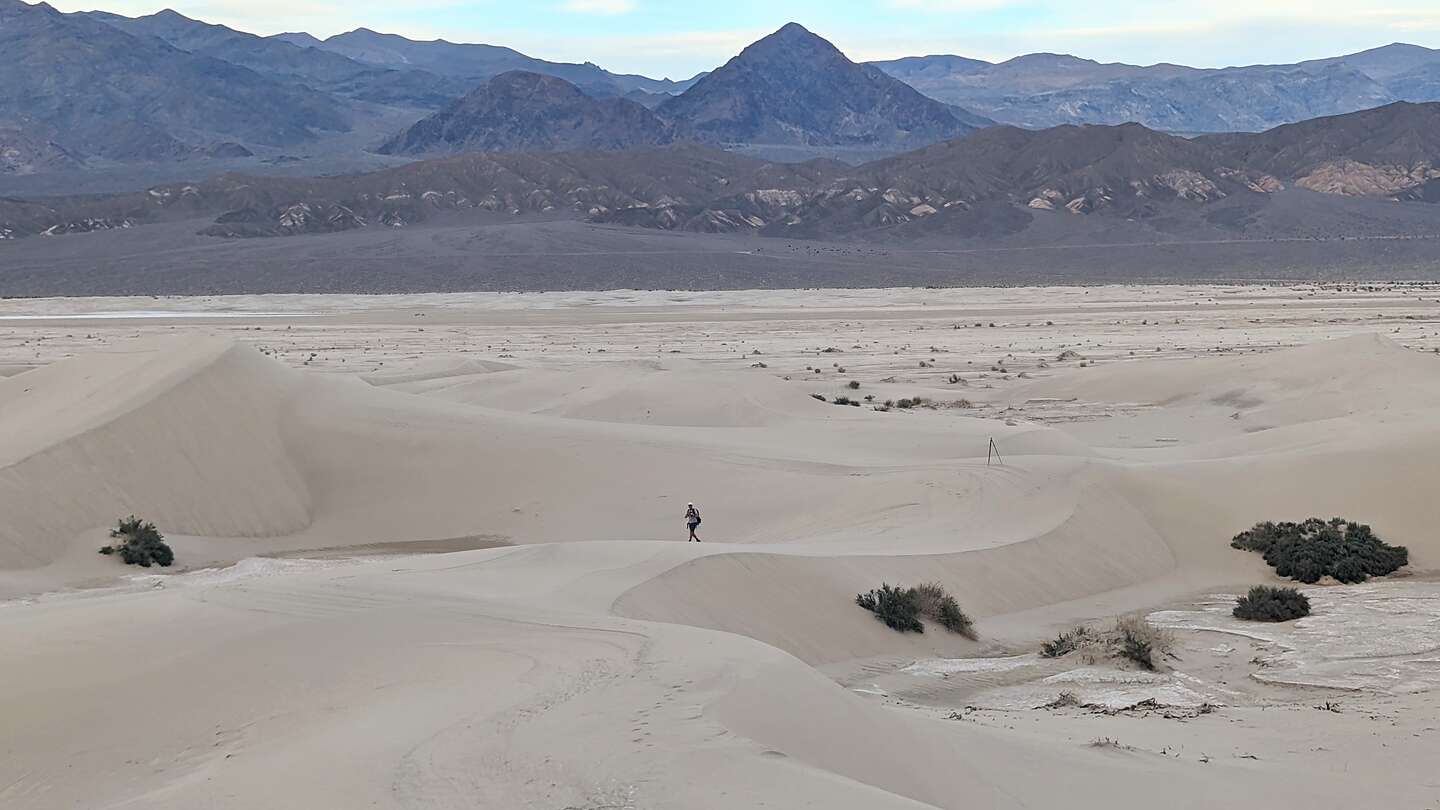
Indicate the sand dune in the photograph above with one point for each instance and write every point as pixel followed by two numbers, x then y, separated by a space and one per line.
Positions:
pixel 188 433
pixel 596 660
pixel 1362 374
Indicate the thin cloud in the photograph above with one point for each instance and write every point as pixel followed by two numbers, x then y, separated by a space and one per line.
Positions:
pixel 605 7
pixel 951 6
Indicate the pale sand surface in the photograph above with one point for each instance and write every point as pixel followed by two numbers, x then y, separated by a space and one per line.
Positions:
pixel 462 580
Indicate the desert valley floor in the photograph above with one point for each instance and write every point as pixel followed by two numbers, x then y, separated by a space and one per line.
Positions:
pixel 430 550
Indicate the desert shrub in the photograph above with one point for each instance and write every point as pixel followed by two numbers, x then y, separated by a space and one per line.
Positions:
pixel 1265 603
pixel 853 384
pixel 1140 641
pixel 1063 700
pixel 1066 643
pixel 936 603
pixel 140 543
pixel 1306 551
pixel 901 608
pixel 896 607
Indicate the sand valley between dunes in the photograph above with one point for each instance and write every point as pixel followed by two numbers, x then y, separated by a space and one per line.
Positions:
pixel 430 549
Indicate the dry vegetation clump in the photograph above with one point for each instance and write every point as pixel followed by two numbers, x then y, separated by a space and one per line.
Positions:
pixel 1131 638
pixel 1266 603
pixel 936 603
pixel 902 608
pixel 1140 641
pixel 1064 700
pixel 1307 551
pixel 1111 743
pixel 1067 642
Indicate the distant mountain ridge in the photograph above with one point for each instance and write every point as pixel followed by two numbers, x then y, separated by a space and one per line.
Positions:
pixel 1041 90
pixel 476 62
pixel 286 61
pixel 530 112
pixel 91 88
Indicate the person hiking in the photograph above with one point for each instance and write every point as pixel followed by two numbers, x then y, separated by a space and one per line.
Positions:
pixel 692 519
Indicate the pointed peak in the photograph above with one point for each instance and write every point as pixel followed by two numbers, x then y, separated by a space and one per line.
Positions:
pixel 794 32
pixel 792 38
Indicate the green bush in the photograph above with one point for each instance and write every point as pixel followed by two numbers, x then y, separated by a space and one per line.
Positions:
pixel 896 607
pixel 1345 550
pixel 1269 604
pixel 140 544
pixel 901 608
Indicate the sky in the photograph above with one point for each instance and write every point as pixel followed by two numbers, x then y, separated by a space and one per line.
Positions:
pixel 663 38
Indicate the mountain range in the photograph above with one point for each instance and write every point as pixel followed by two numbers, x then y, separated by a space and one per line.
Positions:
pixel 95 90
pixel 996 181
pixel 791 88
